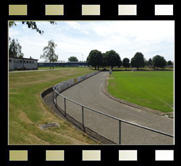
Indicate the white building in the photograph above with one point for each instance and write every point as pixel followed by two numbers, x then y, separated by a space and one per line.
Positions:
pixel 22 64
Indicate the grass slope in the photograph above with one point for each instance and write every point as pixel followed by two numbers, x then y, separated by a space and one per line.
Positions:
pixel 153 89
pixel 27 111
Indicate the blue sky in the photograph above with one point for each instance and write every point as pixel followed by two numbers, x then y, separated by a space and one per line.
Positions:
pixel 78 38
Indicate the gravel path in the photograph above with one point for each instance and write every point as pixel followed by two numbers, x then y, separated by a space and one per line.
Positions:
pixel 90 93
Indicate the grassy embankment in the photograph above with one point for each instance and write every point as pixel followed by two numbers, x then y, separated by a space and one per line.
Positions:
pixel 27 110
pixel 146 88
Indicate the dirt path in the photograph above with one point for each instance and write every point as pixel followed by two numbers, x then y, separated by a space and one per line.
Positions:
pixel 90 93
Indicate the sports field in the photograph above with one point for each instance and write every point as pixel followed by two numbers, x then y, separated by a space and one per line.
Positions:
pixel 152 89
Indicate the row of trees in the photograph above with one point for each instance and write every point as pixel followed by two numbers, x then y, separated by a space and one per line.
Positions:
pixel 98 59
pixel 111 58
pixel 95 57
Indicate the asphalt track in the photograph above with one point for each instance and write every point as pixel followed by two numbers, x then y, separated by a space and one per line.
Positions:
pixel 90 93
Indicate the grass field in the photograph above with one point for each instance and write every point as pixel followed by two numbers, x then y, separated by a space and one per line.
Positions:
pixel 130 69
pixel 27 110
pixel 152 89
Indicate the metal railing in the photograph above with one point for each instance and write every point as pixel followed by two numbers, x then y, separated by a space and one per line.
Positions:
pixel 83 107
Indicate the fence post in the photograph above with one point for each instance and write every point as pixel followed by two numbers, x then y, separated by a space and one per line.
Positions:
pixel 65 106
pixel 119 131
pixel 83 116
pixel 56 99
pixel 53 96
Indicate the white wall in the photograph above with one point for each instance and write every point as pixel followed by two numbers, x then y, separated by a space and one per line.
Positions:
pixel 20 63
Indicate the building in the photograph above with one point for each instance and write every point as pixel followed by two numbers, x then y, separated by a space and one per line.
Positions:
pixel 63 64
pixel 22 64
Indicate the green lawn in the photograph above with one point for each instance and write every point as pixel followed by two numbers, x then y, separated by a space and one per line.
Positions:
pixel 27 111
pixel 153 89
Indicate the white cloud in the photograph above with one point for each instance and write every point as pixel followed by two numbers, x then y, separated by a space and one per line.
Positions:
pixel 73 24
pixel 14 33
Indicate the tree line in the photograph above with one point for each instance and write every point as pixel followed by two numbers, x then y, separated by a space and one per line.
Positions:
pixel 95 58
pixel 111 58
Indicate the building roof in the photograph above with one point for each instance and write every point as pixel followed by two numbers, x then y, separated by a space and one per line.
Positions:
pixel 63 62
pixel 24 58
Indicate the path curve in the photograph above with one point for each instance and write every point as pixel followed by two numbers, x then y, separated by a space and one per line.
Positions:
pixel 89 93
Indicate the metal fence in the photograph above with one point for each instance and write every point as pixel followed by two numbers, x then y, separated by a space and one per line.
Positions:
pixel 82 114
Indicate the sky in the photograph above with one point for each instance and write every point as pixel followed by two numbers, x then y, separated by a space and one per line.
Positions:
pixel 78 38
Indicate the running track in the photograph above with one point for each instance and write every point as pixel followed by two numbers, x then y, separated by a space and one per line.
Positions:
pixel 90 93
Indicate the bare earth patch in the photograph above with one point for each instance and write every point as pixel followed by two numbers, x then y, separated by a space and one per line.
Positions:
pixel 23 117
pixel 33 139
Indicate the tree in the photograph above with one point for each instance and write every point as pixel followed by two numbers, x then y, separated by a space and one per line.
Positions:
pixel 15 48
pixel 30 24
pixel 159 61
pixel 95 59
pixel 112 59
pixel 145 62
pixel 49 52
pixel 104 60
pixel 150 62
pixel 126 63
pixel 137 60
pixel 73 59
pixel 170 63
